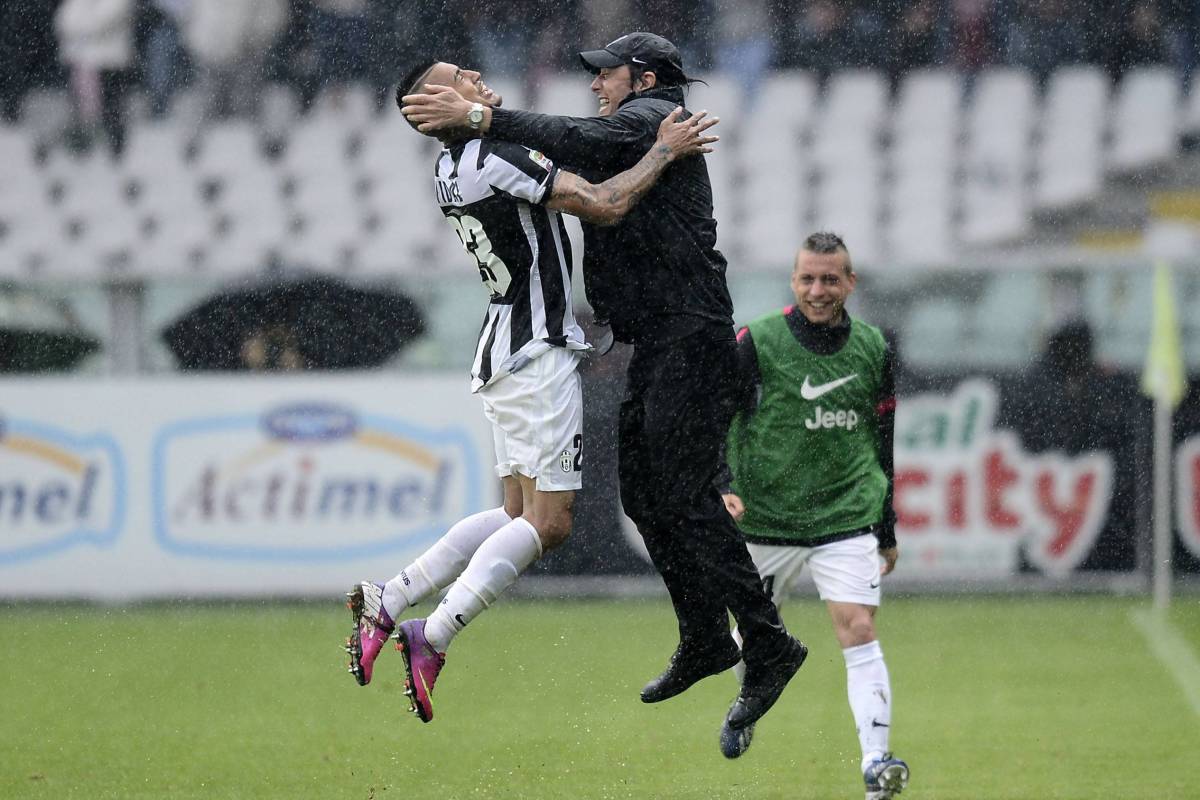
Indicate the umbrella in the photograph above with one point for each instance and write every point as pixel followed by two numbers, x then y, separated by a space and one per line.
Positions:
pixel 39 335
pixel 292 321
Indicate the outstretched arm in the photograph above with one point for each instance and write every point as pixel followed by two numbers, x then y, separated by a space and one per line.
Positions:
pixel 607 203
pixel 614 142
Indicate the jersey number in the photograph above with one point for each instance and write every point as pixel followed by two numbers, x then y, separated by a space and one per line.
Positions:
pixel 492 270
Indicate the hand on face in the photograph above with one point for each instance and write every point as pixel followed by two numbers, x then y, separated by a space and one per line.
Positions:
pixel 448 93
pixel 439 108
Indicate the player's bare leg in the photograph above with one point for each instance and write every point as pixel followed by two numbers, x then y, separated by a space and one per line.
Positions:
pixel 375 607
pixel 869 691
pixel 495 566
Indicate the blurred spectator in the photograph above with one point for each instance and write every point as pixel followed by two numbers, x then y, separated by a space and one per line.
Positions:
pixel 27 51
pixel 229 41
pixel 1067 401
pixel 386 56
pixel 505 46
pixel 686 23
pixel 822 35
pixel 166 61
pixel 95 40
pixel 1181 23
pixel 1135 37
pixel 972 34
pixel 916 39
pixel 603 22
pixel 339 30
pixel 743 43
pixel 438 29
pixel 868 34
pixel 1046 34
pixel 272 348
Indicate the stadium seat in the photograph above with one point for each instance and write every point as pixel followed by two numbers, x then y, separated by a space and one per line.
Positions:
pixel 927 121
pixel 722 97
pixel 330 218
pixel 46 113
pixel 279 111
pixel 857 96
pixel 919 232
pixel 567 95
pixel 513 90
pixel 996 200
pixel 1145 118
pixel 1069 154
pixel 230 148
pixel 786 101
pixel 317 148
pixel 16 151
pixel 351 107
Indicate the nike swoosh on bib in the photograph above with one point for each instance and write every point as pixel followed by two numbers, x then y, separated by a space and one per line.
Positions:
pixel 810 392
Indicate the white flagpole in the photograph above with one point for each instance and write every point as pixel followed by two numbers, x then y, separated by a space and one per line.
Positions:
pixel 1161 569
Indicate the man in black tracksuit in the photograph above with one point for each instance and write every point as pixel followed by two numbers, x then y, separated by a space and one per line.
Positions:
pixel 659 281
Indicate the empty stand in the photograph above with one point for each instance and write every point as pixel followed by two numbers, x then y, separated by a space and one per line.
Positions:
pixel 1145 118
pixel 1070 151
pixel 996 201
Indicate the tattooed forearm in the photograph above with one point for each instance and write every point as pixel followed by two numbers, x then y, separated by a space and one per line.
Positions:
pixel 630 185
pixel 607 203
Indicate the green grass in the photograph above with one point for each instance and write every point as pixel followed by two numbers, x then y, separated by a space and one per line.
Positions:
pixel 994 698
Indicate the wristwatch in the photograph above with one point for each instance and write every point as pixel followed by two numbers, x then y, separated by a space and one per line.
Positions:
pixel 475 116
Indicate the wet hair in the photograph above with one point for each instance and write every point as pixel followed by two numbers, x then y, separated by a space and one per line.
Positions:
pixel 826 243
pixel 411 81
pixel 636 71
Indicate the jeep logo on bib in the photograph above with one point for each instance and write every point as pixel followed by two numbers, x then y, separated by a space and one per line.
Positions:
pixel 831 419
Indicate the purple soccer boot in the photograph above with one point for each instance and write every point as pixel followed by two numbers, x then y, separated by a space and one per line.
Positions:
pixel 372 627
pixel 422 664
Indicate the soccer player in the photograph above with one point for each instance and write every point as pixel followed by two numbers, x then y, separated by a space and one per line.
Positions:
pixel 659 280
pixel 503 202
pixel 810 453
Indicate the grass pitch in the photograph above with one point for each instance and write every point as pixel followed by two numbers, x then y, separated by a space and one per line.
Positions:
pixel 994 698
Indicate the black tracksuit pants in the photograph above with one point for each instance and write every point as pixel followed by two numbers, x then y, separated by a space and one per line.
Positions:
pixel 674 418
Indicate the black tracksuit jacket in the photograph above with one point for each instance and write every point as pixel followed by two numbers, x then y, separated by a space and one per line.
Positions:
pixel 657 275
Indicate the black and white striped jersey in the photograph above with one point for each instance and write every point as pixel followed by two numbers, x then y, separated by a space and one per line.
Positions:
pixel 491 193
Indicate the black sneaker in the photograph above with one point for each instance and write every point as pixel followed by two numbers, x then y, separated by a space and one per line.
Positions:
pixel 688 666
pixel 735 741
pixel 763 684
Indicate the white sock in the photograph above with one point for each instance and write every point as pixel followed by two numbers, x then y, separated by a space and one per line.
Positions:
pixel 739 669
pixel 870 695
pixel 438 566
pixel 494 567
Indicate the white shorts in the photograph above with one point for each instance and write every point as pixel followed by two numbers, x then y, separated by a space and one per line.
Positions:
pixel 848 571
pixel 537 421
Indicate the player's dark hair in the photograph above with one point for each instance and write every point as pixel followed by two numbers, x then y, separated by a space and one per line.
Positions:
pixel 826 243
pixel 636 71
pixel 411 81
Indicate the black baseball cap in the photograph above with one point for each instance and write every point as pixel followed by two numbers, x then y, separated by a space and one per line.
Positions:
pixel 648 50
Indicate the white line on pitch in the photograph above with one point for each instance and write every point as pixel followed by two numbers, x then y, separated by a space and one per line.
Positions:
pixel 1172 650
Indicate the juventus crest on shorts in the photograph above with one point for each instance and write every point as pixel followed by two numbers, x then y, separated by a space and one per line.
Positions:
pixel 491 194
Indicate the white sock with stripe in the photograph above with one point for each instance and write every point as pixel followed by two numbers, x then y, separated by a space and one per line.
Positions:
pixel 438 566
pixel 870 694
pixel 494 567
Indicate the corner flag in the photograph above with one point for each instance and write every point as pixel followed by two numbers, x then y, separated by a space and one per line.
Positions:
pixel 1164 378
